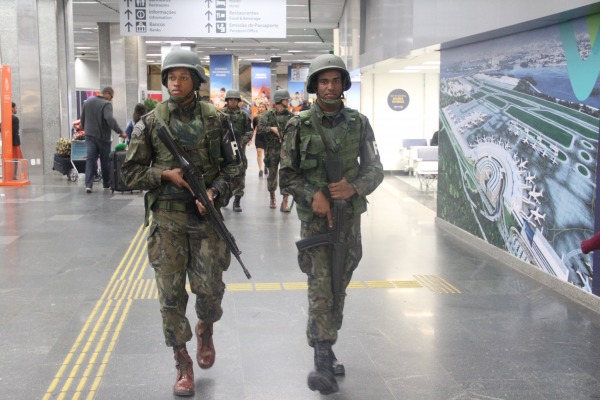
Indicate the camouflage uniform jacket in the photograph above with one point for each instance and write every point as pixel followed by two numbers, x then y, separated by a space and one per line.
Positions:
pixel 242 125
pixel 199 129
pixel 312 137
pixel 273 118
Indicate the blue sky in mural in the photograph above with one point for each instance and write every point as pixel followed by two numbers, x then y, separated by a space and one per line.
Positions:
pixel 523 145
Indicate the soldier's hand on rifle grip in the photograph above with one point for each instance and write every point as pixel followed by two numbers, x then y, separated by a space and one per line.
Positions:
pixel 322 208
pixel 210 193
pixel 175 175
pixel 341 190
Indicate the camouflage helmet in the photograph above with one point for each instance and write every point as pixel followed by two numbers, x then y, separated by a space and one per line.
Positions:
pixel 180 58
pixel 323 63
pixel 233 94
pixel 281 95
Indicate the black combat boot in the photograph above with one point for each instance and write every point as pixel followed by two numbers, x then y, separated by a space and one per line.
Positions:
pixel 323 378
pixel 338 367
pixel 236 204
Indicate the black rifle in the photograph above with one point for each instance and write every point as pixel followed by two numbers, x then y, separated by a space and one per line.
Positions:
pixel 332 238
pixel 196 182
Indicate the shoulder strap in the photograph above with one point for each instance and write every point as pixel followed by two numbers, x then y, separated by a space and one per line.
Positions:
pixel 161 120
pixel 329 147
pixel 162 113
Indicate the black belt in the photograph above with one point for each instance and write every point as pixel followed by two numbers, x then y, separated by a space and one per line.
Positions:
pixel 175 206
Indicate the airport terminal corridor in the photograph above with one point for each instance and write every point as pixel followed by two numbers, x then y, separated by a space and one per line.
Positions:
pixel 426 317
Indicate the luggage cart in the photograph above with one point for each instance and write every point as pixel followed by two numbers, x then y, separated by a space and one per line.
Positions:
pixel 78 159
pixel 74 164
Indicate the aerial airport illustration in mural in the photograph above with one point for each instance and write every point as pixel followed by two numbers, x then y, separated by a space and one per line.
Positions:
pixel 521 148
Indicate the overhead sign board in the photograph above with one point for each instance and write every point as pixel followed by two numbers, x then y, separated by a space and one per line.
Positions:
pixel 204 18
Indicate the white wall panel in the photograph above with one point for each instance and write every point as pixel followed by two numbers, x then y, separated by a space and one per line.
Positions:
pixel 87 75
pixel 418 120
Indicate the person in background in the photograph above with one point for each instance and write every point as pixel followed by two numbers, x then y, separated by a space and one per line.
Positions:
pixel 138 111
pixel 181 241
pixel 328 132
pixel 97 121
pixel 16 142
pixel 16 136
pixel 258 138
pixel 591 244
pixel 272 125
pixel 434 139
pixel 305 105
pixel 242 128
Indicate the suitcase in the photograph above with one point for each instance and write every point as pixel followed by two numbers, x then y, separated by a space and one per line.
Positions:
pixel 62 164
pixel 116 181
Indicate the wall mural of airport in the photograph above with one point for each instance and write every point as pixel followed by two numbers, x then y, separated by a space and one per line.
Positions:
pixel 519 143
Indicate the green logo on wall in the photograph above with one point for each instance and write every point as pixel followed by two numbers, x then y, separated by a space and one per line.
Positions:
pixel 583 73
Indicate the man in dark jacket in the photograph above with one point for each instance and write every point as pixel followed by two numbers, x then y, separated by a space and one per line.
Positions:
pixel 97 121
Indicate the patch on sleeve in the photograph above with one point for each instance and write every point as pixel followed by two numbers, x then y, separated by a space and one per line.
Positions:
pixel 138 129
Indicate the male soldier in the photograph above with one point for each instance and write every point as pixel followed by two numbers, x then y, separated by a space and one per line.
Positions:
pixel 272 125
pixel 181 241
pixel 242 127
pixel 326 132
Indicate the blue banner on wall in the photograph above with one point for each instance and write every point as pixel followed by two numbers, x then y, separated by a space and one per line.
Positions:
pixel 297 74
pixel 221 78
pixel 261 85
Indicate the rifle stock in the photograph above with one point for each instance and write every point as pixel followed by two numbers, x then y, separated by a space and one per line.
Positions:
pixel 196 182
pixel 333 238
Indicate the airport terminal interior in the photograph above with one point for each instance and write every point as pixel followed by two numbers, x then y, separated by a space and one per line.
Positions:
pixel 426 317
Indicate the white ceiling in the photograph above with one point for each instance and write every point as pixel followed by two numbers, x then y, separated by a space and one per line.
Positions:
pixel 308 36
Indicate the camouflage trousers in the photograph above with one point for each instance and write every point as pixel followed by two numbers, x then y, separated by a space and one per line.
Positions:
pixel 180 244
pixel 272 165
pixel 238 183
pixel 323 321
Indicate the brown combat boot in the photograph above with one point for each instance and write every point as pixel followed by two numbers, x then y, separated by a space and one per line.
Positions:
pixel 273 203
pixel 284 204
pixel 184 385
pixel 205 355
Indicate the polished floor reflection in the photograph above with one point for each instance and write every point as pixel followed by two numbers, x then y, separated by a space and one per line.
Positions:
pixel 426 317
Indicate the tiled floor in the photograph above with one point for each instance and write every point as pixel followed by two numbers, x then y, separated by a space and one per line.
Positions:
pixel 426 317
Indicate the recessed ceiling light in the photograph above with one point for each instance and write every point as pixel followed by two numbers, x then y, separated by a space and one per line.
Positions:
pixel 421 67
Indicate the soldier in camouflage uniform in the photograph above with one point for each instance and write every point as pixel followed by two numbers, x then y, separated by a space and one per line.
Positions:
pixel 242 126
pixel 181 240
pixel 328 131
pixel 272 124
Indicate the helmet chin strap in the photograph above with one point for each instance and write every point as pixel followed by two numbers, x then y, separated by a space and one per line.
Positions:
pixel 179 99
pixel 331 102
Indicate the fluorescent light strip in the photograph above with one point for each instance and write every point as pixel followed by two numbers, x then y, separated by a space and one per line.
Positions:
pixel 418 67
